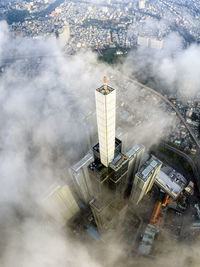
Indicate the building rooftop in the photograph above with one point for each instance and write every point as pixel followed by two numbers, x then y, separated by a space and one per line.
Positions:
pixel 179 178
pixel 117 161
pixel 117 144
pixel 133 150
pixel 105 89
pixel 99 205
pixel 170 181
pixel 148 238
pixel 147 169
pixel 87 158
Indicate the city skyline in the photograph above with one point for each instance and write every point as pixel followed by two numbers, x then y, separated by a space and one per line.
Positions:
pixel 95 172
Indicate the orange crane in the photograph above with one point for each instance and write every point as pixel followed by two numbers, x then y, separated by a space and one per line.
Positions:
pixel 155 219
pixel 166 200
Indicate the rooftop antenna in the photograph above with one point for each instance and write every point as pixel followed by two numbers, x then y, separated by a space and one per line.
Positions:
pixel 105 82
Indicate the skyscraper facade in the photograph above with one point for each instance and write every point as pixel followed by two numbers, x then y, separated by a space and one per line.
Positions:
pixel 60 203
pixel 144 179
pixel 106 110
pixel 105 175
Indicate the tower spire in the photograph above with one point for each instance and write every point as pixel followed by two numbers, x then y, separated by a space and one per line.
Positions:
pixel 105 82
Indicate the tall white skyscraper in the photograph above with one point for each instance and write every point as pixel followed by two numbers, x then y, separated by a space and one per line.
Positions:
pixel 106 109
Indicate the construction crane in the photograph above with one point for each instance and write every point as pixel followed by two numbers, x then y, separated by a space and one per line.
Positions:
pixel 155 217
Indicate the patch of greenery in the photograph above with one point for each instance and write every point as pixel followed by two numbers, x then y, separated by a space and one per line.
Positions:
pixel 14 15
pixel 96 22
pixel 109 55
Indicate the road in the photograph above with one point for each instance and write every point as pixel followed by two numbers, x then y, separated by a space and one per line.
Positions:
pixel 195 168
pixel 187 157
pixel 166 100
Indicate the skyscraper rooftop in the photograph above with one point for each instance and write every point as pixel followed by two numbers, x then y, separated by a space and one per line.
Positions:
pixel 147 169
pixel 105 89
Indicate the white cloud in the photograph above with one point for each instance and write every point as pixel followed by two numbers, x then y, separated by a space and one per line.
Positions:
pixel 43 98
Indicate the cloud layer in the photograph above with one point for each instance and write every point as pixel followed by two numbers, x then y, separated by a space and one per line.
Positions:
pixel 173 69
pixel 47 113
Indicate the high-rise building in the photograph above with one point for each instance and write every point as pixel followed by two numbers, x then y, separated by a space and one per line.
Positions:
pixel 105 108
pixel 110 213
pixel 112 171
pixel 113 177
pixel 170 181
pixel 122 135
pixel 81 179
pixel 143 41
pixel 155 43
pixel 150 42
pixel 63 34
pixel 134 156
pixel 60 203
pixel 144 179
pixel 102 178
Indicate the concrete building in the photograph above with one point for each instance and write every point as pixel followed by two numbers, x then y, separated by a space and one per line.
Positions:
pixel 60 203
pixel 112 178
pixel 64 34
pixel 142 4
pixel 150 42
pixel 103 176
pixel 106 110
pixel 112 172
pixel 109 213
pixel 190 188
pixel 195 227
pixel 197 209
pixel 146 244
pixel 135 156
pixel 143 41
pixel 122 135
pixel 103 212
pixel 170 181
pixel 155 43
pixel 81 178
pixel 109 185
pixel 145 178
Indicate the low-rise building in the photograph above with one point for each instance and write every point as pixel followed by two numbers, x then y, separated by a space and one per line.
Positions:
pixel 171 181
